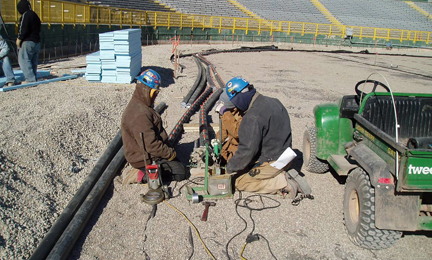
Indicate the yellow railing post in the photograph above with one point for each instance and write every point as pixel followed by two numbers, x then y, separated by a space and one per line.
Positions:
pixel 140 24
pixel 155 22
pixel 193 19
pixel 289 28
pixel 62 14
pixel 415 37
pixel 259 27
pixel 303 29
pixel 401 38
pixel 169 17
pixel 247 26
pixel 146 18
pixel 374 34
pixel 121 19
pixel 388 34
pixel 234 24
pixel 427 39
pixel 109 14
pixel 330 31
pixel 316 30
pixel 74 15
pixel 203 17
pixel 280 26
pixel 181 21
pixel 220 24
pixel 41 11
pixel 271 28
pixel 211 22
pixel 49 14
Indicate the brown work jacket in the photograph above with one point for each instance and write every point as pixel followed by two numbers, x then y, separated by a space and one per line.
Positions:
pixel 139 117
pixel 230 125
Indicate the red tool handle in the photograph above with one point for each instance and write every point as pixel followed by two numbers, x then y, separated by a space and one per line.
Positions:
pixel 204 216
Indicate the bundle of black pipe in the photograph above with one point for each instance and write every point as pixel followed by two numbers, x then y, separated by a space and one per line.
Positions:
pixel 175 133
pixel 107 166
pixel 208 104
pixel 198 82
pixel 212 68
pixel 199 89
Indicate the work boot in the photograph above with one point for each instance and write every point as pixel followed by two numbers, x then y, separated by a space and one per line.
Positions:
pixel 132 175
pixel 10 84
pixel 290 191
pixel 300 181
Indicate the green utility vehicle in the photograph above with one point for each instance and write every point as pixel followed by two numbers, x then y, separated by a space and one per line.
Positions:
pixel 382 142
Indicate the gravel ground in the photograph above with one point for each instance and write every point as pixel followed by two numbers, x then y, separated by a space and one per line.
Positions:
pixel 52 135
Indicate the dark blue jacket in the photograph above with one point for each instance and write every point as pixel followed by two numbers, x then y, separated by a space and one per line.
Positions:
pixel 264 133
pixel 30 24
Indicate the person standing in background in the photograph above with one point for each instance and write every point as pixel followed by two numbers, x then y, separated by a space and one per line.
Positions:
pixel 28 41
pixel 6 64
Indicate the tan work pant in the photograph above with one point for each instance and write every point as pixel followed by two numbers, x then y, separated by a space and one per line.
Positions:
pixel 269 180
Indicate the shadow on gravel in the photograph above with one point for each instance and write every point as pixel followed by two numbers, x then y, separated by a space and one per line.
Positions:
pixel 418 233
pixel 77 248
pixel 166 74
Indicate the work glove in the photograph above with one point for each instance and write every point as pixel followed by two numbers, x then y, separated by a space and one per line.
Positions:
pixel 18 43
pixel 173 156
pixel 220 107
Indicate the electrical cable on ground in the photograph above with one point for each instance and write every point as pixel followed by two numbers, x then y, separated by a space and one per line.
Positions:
pixel 251 237
pixel 196 230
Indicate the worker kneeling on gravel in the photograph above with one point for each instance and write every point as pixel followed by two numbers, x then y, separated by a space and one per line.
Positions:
pixel 263 158
pixel 231 118
pixel 140 119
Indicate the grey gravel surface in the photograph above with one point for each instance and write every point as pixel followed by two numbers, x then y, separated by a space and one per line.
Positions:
pixel 52 135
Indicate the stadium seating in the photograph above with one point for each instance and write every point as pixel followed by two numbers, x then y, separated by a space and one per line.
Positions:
pixel 147 5
pixel 205 7
pixel 293 10
pixel 382 14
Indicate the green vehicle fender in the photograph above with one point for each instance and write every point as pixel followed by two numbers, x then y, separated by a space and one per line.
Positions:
pixel 332 131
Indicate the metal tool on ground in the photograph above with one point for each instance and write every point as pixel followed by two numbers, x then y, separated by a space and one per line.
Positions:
pixel 157 191
pixel 207 205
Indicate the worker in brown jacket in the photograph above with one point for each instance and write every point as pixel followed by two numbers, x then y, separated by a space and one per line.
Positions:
pixel 140 121
pixel 231 118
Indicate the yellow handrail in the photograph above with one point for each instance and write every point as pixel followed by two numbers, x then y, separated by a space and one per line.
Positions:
pixel 62 12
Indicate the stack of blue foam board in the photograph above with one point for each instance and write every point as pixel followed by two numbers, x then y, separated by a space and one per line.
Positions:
pixel 119 57
pixel 94 67
pixel 127 46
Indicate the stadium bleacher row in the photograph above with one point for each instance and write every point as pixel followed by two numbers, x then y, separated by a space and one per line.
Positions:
pixel 393 14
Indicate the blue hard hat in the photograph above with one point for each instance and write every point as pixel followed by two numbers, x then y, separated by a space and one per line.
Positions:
pixel 150 78
pixel 234 86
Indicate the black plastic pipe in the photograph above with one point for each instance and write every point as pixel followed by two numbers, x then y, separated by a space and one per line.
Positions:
pixel 198 80
pixel 55 232
pixel 68 213
pixel 67 240
pixel 199 89
pixel 204 133
pixel 178 128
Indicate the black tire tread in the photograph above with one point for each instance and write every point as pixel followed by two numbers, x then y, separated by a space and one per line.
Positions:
pixel 314 164
pixel 367 235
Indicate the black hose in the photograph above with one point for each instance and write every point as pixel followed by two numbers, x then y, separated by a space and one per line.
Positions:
pixel 68 213
pixel 204 133
pixel 70 235
pixel 199 89
pixel 198 80
pixel 178 128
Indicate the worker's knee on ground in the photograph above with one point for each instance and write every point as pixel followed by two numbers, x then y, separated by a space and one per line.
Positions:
pixel 173 171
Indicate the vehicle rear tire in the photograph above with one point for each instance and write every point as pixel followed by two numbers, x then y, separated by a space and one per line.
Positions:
pixel 311 162
pixel 359 214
